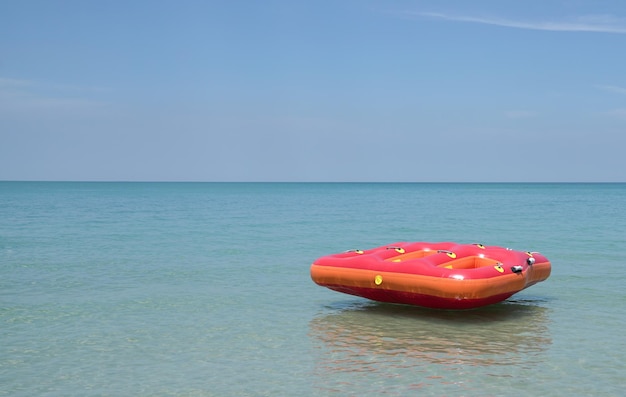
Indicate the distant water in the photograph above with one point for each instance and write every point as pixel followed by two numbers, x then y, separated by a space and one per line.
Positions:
pixel 203 289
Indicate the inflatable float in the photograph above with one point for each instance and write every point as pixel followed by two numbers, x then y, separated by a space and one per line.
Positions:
pixel 435 275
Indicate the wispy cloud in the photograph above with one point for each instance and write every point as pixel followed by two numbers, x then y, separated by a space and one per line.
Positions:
pixel 585 23
pixel 13 83
pixel 520 114
pixel 612 88
pixel 28 97
pixel 618 113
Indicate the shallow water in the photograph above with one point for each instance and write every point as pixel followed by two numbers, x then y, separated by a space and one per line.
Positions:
pixel 198 289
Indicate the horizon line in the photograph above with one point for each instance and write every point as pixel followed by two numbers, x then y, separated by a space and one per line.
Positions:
pixel 294 182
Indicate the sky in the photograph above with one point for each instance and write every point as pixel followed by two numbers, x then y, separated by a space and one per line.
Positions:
pixel 325 90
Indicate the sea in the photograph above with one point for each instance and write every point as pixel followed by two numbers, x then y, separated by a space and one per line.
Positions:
pixel 204 289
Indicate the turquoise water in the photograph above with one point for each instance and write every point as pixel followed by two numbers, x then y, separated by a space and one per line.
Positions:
pixel 203 289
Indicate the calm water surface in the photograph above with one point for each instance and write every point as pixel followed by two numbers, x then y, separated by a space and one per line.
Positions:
pixel 203 289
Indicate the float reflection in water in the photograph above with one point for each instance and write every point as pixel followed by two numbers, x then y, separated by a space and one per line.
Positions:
pixel 427 346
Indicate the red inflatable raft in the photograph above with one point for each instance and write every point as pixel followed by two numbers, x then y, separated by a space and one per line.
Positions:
pixel 435 275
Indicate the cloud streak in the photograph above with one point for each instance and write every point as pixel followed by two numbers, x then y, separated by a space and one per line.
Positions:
pixel 520 114
pixel 19 84
pixel 27 98
pixel 6 84
pixel 612 88
pixel 617 113
pixel 587 23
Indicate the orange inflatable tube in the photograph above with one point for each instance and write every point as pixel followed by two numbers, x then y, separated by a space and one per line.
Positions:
pixel 436 275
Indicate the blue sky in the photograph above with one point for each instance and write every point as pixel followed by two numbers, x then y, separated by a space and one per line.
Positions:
pixel 351 90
